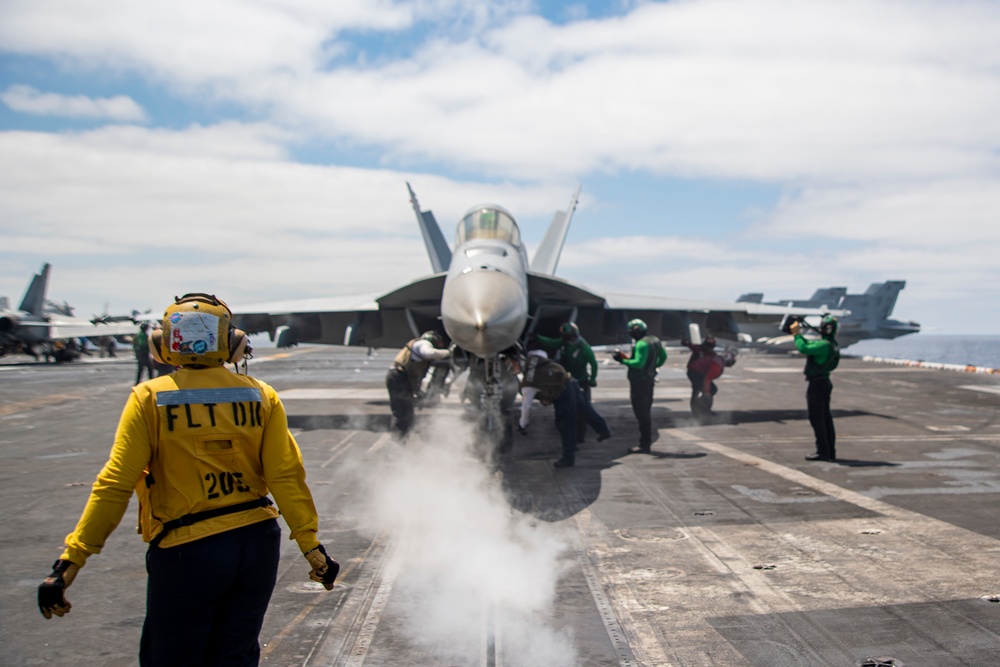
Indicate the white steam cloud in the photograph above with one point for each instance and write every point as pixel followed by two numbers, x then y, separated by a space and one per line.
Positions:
pixel 469 566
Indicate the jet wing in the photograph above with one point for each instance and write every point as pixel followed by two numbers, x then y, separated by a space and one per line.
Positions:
pixel 59 329
pixel 389 320
pixel 602 319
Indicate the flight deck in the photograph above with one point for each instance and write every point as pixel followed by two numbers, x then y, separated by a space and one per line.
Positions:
pixel 722 547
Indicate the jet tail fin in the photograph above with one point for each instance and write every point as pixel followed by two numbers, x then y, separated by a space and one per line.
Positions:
pixel 884 295
pixel 437 247
pixel 547 256
pixel 829 297
pixel 34 298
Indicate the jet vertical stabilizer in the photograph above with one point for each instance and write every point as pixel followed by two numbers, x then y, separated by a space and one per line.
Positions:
pixel 883 296
pixel 826 297
pixel 547 256
pixel 864 315
pixel 437 247
pixel 34 298
pixel 870 314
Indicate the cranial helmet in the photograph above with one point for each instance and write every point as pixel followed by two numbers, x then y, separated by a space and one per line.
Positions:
pixel 828 327
pixel 434 337
pixel 636 328
pixel 569 331
pixel 198 331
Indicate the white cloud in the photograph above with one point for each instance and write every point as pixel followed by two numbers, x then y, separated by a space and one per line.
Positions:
pixel 877 117
pixel 219 203
pixel 766 90
pixel 25 99
pixel 944 214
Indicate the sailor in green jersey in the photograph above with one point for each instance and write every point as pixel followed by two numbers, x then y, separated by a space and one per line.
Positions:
pixel 143 358
pixel 577 357
pixel 822 357
pixel 647 355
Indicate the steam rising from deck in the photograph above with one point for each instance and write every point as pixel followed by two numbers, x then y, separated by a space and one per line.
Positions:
pixel 465 555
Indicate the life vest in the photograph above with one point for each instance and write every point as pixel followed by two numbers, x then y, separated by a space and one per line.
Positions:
pixel 815 370
pixel 548 377
pixel 649 370
pixel 574 359
pixel 206 431
pixel 414 369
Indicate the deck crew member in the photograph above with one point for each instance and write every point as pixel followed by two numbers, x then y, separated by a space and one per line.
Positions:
pixel 577 357
pixel 143 358
pixel 822 357
pixel 647 355
pixel 202 448
pixel 407 372
pixel 552 385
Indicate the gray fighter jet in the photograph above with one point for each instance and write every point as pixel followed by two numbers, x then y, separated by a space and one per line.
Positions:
pixel 486 296
pixel 866 315
pixel 33 328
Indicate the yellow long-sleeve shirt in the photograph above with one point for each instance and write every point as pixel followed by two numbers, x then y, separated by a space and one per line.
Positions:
pixel 195 440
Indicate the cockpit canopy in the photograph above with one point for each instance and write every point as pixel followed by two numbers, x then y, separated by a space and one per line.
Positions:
pixel 488 221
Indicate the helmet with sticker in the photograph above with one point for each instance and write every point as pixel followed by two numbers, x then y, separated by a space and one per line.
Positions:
pixel 197 331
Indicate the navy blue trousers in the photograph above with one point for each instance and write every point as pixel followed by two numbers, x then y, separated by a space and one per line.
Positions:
pixel 641 395
pixel 400 399
pixel 571 404
pixel 205 600
pixel 821 418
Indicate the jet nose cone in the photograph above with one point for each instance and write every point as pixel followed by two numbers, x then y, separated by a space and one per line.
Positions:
pixel 484 312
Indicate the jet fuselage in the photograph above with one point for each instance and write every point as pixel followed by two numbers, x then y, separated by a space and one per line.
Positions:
pixel 484 304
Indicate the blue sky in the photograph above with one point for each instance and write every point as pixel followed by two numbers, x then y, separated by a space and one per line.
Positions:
pixel 260 149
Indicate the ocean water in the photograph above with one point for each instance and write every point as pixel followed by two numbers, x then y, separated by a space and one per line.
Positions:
pixel 965 350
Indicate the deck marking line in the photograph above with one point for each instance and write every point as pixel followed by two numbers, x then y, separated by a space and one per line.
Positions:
pixel 604 607
pixel 339 449
pixel 389 569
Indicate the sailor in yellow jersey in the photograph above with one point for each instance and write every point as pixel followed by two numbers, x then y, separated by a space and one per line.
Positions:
pixel 202 447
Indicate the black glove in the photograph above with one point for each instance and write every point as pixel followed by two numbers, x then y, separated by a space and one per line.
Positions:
pixel 617 355
pixel 522 430
pixel 51 598
pixel 324 569
pixel 592 383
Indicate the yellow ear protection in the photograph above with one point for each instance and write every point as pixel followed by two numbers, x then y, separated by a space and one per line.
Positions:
pixel 197 331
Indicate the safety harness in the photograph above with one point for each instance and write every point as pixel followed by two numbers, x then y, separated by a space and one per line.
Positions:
pixel 195 517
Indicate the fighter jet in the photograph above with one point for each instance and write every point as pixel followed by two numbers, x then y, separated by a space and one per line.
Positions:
pixel 33 326
pixel 486 296
pixel 866 315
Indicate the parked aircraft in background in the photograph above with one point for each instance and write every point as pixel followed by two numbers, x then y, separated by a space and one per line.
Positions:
pixel 486 296
pixel 37 325
pixel 865 315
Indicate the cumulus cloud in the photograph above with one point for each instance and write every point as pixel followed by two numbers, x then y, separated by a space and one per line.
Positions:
pixel 25 99
pixel 768 90
pixel 208 201
pixel 875 118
